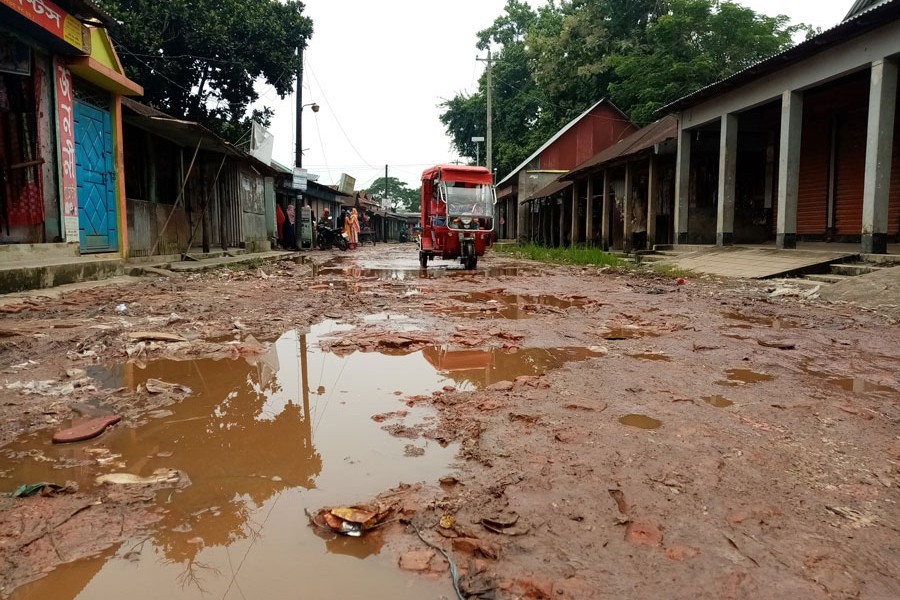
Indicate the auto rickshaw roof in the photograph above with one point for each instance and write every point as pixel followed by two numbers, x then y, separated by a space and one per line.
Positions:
pixel 460 173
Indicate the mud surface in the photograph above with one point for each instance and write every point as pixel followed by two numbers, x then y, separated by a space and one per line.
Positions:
pixel 560 432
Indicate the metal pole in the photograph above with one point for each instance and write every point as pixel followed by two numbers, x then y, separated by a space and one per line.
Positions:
pixel 298 151
pixel 489 154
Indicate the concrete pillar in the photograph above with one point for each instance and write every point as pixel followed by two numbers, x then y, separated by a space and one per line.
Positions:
pixel 682 184
pixel 561 204
pixel 652 200
pixel 520 217
pixel 789 169
pixel 727 172
pixel 604 215
pixel 628 207
pixel 575 225
pixel 879 149
pixel 589 212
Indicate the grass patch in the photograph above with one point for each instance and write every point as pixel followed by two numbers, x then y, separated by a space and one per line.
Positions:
pixel 671 271
pixel 576 255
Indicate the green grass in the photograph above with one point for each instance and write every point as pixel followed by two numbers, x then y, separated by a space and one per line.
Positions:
pixel 577 255
pixel 671 271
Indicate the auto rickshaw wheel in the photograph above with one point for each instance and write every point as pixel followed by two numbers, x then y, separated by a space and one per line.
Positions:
pixel 423 259
pixel 471 262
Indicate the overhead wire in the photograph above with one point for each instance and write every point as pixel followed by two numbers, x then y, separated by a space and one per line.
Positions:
pixel 337 120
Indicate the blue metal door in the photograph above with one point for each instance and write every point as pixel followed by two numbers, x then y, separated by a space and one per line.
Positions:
pixel 98 227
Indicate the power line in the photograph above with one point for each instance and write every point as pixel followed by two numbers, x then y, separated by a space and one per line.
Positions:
pixel 336 120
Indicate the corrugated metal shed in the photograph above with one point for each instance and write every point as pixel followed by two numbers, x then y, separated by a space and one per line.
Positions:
pixel 549 190
pixel 617 116
pixel 656 133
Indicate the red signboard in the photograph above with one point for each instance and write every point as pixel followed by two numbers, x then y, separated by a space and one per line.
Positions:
pixel 65 106
pixel 54 19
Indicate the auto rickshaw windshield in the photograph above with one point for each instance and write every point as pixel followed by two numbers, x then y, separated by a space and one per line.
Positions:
pixel 476 200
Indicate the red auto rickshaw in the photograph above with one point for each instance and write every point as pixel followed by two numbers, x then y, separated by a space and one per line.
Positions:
pixel 457 214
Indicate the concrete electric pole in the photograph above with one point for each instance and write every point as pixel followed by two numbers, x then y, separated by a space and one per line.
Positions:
pixel 489 153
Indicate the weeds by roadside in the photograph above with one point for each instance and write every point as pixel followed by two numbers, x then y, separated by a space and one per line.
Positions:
pixel 666 270
pixel 589 256
pixel 577 255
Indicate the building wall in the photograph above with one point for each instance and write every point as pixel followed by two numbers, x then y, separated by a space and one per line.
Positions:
pixel 598 130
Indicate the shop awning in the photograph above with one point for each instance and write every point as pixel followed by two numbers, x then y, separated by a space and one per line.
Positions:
pixel 548 190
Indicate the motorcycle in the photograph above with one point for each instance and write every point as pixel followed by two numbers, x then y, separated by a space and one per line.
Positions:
pixel 404 236
pixel 328 237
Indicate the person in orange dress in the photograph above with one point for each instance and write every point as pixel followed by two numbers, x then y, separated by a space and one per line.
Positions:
pixel 354 228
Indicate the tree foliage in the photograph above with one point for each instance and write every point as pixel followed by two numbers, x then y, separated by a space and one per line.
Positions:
pixel 199 59
pixel 518 104
pixel 698 42
pixel 402 198
pixel 554 62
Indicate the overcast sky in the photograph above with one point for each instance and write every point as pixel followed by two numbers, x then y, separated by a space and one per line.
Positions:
pixel 379 70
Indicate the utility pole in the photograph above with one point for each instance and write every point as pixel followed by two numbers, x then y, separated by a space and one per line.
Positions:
pixel 298 152
pixel 385 182
pixel 489 153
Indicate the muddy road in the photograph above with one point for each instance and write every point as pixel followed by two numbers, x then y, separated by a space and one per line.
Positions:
pixel 558 432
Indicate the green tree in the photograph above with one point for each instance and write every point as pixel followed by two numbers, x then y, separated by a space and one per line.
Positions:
pixel 570 62
pixel 199 59
pixel 518 105
pixel 554 62
pixel 402 198
pixel 696 43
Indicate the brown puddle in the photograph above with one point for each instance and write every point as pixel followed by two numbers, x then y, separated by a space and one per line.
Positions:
pixel 855 385
pixel 508 306
pixel 640 421
pixel 657 356
pixel 476 369
pixel 261 439
pixel 408 270
pixel 625 333
pixel 749 320
pixel 739 376
pixel 718 401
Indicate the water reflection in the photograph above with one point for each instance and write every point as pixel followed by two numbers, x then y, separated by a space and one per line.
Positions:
pixel 258 447
pixel 509 306
pixel 477 369
pixel 408 269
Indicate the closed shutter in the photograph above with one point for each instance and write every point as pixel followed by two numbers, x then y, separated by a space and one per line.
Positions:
pixel 894 204
pixel 812 193
pixel 851 167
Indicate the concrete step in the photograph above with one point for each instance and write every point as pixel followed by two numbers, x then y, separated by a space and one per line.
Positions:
pixel 853 269
pixel 36 273
pixel 826 278
pixel 20 252
pixel 215 263
pixel 886 260
pixel 676 249
pixel 652 258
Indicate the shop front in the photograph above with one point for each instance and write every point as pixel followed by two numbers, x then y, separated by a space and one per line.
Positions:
pixel 60 152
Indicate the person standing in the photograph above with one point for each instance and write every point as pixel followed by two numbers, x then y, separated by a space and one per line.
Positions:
pixel 289 231
pixel 353 221
pixel 279 220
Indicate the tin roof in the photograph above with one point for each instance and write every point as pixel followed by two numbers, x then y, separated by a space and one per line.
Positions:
pixel 549 190
pixel 643 139
pixel 864 16
pixel 184 133
pixel 558 135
